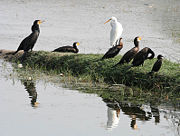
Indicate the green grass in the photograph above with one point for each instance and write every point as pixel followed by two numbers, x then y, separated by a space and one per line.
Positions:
pixel 89 68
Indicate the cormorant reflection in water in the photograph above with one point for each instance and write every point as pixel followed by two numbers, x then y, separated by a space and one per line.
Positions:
pixel 141 112
pixel 31 89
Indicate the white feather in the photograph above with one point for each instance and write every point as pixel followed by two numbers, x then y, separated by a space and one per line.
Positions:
pixel 116 31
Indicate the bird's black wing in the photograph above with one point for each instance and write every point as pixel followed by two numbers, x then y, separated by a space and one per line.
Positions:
pixel 157 65
pixel 138 59
pixel 28 42
pixel 65 49
pixel 112 52
pixel 128 56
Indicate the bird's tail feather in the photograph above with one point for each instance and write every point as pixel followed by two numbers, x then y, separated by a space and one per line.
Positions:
pixel 14 52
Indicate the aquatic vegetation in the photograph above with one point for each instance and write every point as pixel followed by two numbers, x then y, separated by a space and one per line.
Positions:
pixel 89 68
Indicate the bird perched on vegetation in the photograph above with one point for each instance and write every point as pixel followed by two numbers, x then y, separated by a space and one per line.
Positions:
pixel 72 49
pixel 128 56
pixel 112 52
pixel 141 56
pixel 157 65
pixel 29 42
pixel 116 31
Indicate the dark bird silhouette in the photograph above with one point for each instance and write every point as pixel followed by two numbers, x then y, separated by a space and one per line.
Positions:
pixel 29 42
pixel 72 49
pixel 112 52
pixel 157 65
pixel 129 55
pixel 31 89
pixel 141 56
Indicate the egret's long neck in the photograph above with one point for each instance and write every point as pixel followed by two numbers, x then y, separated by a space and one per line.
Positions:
pixel 113 23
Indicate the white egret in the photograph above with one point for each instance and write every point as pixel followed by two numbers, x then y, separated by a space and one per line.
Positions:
pixel 116 30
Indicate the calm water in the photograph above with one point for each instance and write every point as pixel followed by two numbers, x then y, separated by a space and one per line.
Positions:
pixel 156 21
pixel 31 107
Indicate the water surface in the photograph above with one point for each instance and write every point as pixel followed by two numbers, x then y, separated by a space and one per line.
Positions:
pixel 31 107
pixel 157 22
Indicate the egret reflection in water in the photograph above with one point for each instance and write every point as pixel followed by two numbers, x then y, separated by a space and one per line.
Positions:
pixel 113 113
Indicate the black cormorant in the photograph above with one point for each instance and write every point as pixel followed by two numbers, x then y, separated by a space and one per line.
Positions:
pixel 73 48
pixel 29 42
pixel 141 56
pixel 157 65
pixel 128 56
pixel 112 52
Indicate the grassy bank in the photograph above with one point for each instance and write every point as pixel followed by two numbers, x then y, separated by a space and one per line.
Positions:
pixel 89 68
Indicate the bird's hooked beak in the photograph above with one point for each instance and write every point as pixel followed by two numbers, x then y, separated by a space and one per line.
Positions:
pixel 77 43
pixel 139 38
pixel 40 21
pixel 107 21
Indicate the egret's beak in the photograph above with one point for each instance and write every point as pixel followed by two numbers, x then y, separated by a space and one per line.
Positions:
pixel 107 21
pixel 77 43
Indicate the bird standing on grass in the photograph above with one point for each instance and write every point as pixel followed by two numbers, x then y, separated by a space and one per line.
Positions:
pixel 128 56
pixel 29 42
pixel 157 65
pixel 112 52
pixel 141 56
pixel 72 49
pixel 116 31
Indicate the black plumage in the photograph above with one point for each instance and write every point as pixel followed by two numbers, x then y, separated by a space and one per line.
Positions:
pixel 129 55
pixel 72 49
pixel 157 65
pixel 29 42
pixel 112 52
pixel 142 55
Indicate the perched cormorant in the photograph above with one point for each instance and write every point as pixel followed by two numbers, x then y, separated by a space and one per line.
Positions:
pixel 112 52
pixel 29 42
pixel 157 64
pixel 128 56
pixel 141 56
pixel 73 48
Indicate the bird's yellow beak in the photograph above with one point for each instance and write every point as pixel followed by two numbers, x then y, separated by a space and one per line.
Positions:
pixel 107 21
pixel 40 21
pixel 139 38
pixel 77 43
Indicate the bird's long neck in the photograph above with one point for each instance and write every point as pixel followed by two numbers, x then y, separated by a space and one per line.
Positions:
pixel 113 23
pixel 75 47
pixel 152 54
pixel 120 45
pixel 35 28
pixel 136 43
